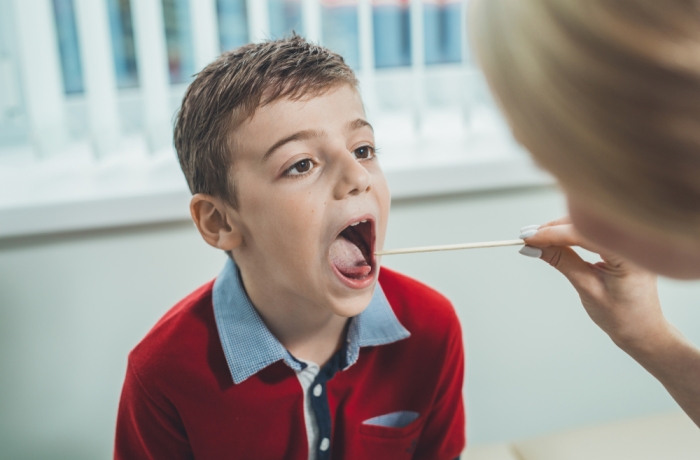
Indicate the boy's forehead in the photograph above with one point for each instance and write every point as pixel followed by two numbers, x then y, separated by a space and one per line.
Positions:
pixel 330 100
pixel 336 107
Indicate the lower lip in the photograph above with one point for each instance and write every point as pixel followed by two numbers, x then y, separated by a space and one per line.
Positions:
pixel 355 283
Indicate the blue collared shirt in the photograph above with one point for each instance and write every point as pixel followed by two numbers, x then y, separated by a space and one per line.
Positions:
pixel 249 346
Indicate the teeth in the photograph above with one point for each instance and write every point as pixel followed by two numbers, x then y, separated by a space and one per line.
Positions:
pixel 363 221
pixel 352 225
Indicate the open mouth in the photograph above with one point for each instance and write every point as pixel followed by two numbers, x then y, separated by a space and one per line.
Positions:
pixel 352 252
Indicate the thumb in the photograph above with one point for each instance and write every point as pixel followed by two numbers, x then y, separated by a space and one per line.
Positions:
pixel 566 260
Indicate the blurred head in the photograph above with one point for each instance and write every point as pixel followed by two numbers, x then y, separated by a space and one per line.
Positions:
pixel 605 94
pixel 277 152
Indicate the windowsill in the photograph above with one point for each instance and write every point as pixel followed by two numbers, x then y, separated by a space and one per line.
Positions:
pixel 55 196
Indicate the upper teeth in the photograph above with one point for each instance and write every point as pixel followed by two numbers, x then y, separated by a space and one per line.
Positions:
pixel 360 222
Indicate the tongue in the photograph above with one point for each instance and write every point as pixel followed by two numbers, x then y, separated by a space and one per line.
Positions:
pixel 348 259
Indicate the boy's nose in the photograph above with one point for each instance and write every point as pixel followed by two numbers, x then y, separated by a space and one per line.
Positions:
pixel 353 177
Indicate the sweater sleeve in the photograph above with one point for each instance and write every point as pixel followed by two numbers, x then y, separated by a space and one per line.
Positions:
pixel 145 429
pixel 444 433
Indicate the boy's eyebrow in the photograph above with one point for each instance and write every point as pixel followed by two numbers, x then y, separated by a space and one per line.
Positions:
pixel 298 136
pixel 359 123
pixel 313 134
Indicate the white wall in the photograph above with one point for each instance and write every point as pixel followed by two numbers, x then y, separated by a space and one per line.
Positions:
pixel 72 306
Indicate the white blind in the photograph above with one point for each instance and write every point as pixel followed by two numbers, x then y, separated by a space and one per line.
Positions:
pixel 409 54
pixel 86 129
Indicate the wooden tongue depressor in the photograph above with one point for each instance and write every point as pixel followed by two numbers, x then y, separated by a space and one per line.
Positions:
pixel 451 247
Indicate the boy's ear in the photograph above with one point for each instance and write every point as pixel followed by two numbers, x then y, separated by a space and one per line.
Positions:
pixel 214 223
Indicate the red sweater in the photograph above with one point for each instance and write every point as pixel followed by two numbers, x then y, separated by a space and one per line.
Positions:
pixel 179 400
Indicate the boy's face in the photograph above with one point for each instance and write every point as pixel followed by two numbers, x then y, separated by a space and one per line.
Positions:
pixel 312 202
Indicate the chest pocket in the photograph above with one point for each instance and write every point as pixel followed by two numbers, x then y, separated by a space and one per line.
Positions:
pixel 391 436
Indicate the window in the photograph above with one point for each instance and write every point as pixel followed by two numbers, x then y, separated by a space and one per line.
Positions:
pixel 340 29
pixel 431 109
pixel 233 23
pixel 13 128
pixel 68 45
pixel 123 47
pixel 178 38
pixel 392 33
pixel 442 29
pixel 285 18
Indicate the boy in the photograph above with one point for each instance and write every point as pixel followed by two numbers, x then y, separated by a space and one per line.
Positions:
pixel 294 351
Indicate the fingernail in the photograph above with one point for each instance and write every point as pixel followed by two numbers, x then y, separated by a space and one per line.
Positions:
pixel 528 234
pixel 529 227
pixel 530 251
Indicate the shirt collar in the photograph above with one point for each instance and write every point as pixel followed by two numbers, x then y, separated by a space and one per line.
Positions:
pixel 249 346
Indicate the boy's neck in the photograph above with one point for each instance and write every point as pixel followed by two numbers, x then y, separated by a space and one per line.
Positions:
pixel 308 332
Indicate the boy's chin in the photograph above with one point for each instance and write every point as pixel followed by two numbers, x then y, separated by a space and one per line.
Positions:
pixel 349 307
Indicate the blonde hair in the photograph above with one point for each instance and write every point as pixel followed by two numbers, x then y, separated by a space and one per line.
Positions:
pixel 606 95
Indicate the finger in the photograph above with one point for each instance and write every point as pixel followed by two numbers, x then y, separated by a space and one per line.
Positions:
pixel 581 275
pixel 561 221
pixel 571 265
pixel 558 235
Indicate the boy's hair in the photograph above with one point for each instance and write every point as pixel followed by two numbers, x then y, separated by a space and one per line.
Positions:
pixel 606 95
pixel 229 91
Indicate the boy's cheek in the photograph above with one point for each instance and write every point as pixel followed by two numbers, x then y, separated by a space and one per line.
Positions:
pixel 379 180
pixel 384 200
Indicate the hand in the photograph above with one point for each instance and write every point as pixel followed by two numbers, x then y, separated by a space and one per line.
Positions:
pixel 620 297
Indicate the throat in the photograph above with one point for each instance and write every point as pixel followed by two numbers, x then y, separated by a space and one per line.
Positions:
pixel 318 347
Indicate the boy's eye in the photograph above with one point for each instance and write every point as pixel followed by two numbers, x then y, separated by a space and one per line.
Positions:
pixel 364 153
pixel 300 167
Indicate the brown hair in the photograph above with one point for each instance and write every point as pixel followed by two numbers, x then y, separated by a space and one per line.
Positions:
pixel 229 90
pixel 606 95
